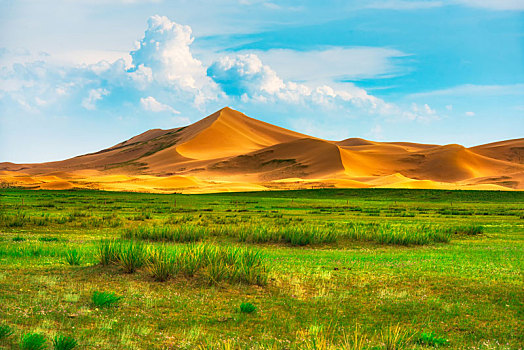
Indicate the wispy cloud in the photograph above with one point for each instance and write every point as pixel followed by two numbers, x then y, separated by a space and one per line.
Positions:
pixel 473 90
pixel 151 104
pixel 335 63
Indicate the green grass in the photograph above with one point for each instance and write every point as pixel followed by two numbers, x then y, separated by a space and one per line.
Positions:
pixel 5 331
pixel 33 341
pixel 326 269
pixel 432 339
pixel 61 342
pixel 104 299
pixel 247 308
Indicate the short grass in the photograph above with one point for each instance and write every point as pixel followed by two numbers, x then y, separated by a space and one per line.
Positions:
pixel 320 269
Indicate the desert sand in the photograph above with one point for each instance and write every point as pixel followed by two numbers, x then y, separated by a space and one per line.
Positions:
pixel 228 151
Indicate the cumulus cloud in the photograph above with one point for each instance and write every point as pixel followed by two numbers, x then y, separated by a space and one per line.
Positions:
pixel 94 95
pixel 163 66
pixel 151 104
pixel 245 76
pixel 165 50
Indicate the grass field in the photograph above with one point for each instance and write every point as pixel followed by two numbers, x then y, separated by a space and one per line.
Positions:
pixel 315 269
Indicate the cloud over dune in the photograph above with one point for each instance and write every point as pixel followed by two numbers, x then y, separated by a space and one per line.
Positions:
pixel 164 68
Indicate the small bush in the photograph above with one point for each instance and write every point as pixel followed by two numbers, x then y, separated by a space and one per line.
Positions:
pixel 432 339
pixel 73 257
pixel 18 239
pixel 61 342
pixel 104 299
pixel 5 331
pixel 247 308
pixel 33 341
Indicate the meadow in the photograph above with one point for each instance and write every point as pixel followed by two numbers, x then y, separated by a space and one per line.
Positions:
pixel 309 269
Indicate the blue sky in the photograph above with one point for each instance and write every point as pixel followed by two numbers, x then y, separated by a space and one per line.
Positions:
pixel 79 76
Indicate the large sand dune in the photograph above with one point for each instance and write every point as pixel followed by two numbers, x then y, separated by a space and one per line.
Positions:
pixel 228 151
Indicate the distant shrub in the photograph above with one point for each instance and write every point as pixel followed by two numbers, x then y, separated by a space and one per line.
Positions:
pixel 247 308
pixel 61 342
pixel 104 299
pixel 33 341
pixel 18 239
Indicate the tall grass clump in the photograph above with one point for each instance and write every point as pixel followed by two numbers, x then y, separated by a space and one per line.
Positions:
pixel 406 235
pixel 107 252
pixel 132 255
pixel 168 233
pixel 33 341
pixel 210 262
pixel 469 230
pixel 61 342
pixel 395 338
pixel 355 341
pixel 73 257
pixel 294 235
pixel 161 265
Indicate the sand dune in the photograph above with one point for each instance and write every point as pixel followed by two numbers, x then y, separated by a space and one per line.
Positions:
pixel 228 151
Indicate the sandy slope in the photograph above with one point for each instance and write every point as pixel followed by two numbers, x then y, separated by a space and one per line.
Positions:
pixel 228 151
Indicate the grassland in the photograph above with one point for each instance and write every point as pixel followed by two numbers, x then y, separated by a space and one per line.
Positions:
pixel 316 269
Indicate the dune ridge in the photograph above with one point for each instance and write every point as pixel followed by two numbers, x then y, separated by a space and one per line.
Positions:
pixel 229 151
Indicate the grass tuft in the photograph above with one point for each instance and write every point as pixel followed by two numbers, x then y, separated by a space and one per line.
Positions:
pixel 247 308
pixel 432 339
pixel 5 331
pixel 105 299
pixel 33 341
pixel 395 338
pixel 73 257
pixel 61 342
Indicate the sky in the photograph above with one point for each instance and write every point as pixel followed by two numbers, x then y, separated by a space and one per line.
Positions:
pixel 77 76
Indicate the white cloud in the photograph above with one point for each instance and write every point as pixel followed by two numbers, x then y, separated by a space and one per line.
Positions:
pixel 470 114
pixel 151 104
pixel 163 66
pixel 449 107
pixel 245 76
pixel 165 49
pixel 94 95
pixel 334 63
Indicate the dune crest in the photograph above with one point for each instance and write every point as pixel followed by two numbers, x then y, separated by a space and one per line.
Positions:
pixel 229 151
